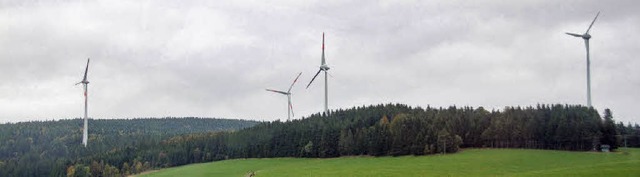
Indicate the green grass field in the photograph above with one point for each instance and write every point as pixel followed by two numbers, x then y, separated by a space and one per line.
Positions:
pixel 470 162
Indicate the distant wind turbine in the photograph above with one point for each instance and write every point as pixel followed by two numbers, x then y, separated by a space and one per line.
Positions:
pixel 323 67
pixel 586 36
pixel 288 93
pixel 84 82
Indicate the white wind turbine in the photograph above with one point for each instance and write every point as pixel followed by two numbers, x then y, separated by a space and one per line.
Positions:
pixel 323 67
pixel 288 93
pixel 84 82
pixel 586 36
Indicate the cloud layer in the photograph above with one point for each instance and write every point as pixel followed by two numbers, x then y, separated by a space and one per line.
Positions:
pixel 214 59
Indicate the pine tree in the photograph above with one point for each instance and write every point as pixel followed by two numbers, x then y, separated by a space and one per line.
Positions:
pixel 609 130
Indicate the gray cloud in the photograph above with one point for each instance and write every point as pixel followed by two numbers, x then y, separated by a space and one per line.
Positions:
pixel 214 59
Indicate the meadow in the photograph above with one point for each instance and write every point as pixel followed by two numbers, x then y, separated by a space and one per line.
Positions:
pixel 469 162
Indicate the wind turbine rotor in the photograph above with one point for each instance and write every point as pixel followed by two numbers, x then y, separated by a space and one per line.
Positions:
pixel 288 94
pixel 84 78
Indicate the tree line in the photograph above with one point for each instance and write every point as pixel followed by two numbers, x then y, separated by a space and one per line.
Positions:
pixel 385 130
pixel 376 130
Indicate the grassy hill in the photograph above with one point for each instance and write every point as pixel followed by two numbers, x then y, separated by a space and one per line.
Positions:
pixel 470 162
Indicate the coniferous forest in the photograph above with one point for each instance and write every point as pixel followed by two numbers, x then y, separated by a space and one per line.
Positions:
pixel 123 147
pixel 49 148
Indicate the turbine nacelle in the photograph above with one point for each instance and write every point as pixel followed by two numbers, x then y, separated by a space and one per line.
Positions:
pixel 585 36
pixel 324 67
pixel 82 82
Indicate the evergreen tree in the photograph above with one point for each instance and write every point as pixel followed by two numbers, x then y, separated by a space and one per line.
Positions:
pixel 609 130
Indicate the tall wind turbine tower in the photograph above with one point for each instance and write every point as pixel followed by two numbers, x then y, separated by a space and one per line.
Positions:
pixel 586 36
pixel 323 67
pixel 85 82
pixel 288 93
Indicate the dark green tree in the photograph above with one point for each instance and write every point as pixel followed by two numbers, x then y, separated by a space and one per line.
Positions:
pixel 609 130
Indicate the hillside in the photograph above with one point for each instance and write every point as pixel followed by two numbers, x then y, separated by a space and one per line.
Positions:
pixel 470 162
pixel 379 130
pixel 376 130
pixel 43 148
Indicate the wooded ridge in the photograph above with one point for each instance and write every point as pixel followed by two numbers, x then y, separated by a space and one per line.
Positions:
pixel 377 130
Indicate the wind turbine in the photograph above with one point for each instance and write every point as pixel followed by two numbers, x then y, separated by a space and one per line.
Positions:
pixel 288 93
pixel 323 67
pixel 84 82
pixel 586 36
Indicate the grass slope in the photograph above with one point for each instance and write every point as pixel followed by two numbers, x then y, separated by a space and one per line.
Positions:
pixel 470 162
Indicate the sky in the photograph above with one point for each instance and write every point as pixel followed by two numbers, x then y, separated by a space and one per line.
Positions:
pixel 167 58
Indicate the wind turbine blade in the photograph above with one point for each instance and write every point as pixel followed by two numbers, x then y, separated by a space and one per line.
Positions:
pixel 323 62
pixel 86 70
pixel 294 82
pixel 594 20
pixel 277 91
pixel 574 34
pixel 322 41
pixel 291 107
pixel 314 78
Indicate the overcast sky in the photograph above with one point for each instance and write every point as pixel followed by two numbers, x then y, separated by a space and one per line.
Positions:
pixel 206 58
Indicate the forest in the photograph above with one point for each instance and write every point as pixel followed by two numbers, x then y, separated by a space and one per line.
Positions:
pixel 48 148
pixel 376 130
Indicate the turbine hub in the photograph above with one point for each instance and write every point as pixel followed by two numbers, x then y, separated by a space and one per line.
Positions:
pixel 586 36
pixel 324 67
